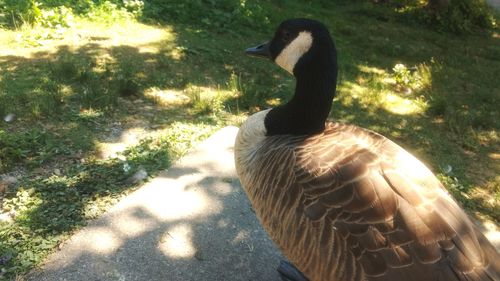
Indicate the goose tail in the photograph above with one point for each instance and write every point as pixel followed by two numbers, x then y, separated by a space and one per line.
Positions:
pixel 289 272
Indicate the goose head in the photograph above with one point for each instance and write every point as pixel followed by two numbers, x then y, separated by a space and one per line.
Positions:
pixel 300 45
pixel 304 48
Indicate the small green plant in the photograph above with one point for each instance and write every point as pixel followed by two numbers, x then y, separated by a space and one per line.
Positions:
pixel 134 7
pixel 402 74
pixel 234 84
pixel 95 90
pixel 464 16
pixel 31 148
pixel 109 12
pixel 59 13
pixel 205 101
pixel 58 17
pixel 223 15
pixel 410 79
pixel 20 12
pixel 151 154
pixel 457 16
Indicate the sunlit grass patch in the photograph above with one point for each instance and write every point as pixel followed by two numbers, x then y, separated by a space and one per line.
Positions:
pixel 198 99
pixel 482 199
pixel 204 100
pixel 404 106
pixel 183 136
pixel 28 41
pixel 85 65
pixel 167 97
pixel 90 113
pixel 401 91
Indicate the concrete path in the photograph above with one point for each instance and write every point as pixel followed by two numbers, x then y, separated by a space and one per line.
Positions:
pixel 192 222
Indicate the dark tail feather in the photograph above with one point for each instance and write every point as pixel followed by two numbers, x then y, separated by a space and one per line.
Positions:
pixel 289 272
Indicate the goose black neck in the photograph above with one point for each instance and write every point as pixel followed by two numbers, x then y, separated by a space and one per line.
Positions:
pixel 306 112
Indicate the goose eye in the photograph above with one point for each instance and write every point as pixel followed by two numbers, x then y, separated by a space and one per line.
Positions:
pixel 286 36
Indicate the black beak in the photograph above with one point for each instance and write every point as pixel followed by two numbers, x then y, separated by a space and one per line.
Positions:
pixel 259 51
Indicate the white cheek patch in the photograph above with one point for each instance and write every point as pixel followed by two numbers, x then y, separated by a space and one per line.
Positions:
pixel 292 53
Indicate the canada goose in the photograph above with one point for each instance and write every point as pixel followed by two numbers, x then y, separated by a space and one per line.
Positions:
pixel 342 202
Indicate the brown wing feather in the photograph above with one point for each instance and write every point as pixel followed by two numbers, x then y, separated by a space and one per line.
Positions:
pixel 351 205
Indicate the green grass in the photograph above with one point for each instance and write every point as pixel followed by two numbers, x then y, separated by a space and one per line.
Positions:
pixel 78 91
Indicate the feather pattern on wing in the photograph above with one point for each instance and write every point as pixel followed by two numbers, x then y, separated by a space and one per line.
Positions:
pixel 348 205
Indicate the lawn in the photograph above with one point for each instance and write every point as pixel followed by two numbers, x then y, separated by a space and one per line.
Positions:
pixel 93 107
